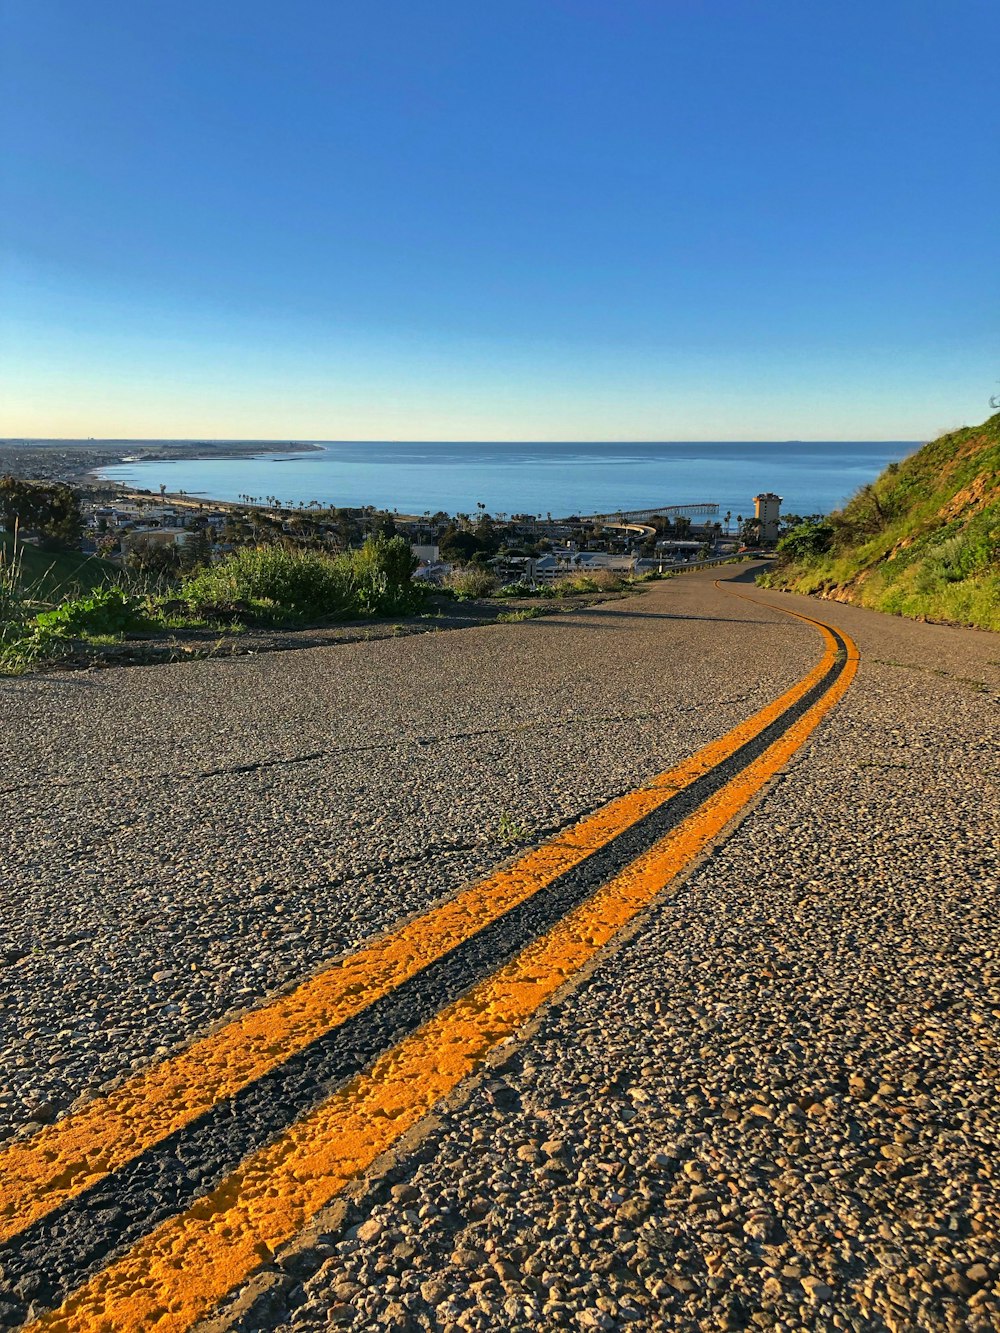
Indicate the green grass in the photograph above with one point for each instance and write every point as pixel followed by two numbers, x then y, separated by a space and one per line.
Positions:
pixel 51 575
pixel 923 541
pixel 514 617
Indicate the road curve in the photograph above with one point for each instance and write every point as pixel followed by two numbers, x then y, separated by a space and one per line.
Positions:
pixel 170 1189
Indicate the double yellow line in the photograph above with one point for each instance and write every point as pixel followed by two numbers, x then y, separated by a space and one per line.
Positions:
pixel 183 1267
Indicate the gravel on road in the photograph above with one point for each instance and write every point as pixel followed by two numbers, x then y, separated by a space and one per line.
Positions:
pixel 186 839
pixel 772 1106
pixel 775 1106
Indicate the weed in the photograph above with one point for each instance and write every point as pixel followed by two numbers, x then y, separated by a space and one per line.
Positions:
pixel 470 582
pixel 12 599
pixel 102 612
pixel 510 829
pixel 595 580
pixel 513 617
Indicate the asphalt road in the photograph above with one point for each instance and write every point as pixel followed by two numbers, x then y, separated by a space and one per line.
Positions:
pixel 680 1144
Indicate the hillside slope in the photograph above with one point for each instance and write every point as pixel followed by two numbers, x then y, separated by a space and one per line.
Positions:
pixel 46 575
pixel 922 541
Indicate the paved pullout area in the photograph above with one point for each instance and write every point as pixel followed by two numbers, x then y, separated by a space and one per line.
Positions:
pixel 774 1105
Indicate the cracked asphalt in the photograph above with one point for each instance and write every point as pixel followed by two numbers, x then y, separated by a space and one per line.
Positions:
pixel 185 839
pixel 773 1106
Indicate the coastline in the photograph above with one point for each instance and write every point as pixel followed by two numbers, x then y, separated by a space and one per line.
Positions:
pixel 78 462
pixel 428 477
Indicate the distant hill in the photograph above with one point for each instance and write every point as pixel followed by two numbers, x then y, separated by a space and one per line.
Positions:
pixel 922 541
pixel 49 575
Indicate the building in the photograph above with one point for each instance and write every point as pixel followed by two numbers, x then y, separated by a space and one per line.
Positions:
pixel 428 553
pixel 548 567
pixel 767 506
pixel 139 537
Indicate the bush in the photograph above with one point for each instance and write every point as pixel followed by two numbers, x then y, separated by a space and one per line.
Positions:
pixel 595 580
pixel 382 575
pixel 104 611
pixel 805 541
pixel 275 583
pixel 51 510
pixel 268 579
pixel 26 641
pixel 471 582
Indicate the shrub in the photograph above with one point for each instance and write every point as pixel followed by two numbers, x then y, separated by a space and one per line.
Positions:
pixel 51 510
pixel 268 579
pixel 273 582
pixel 382 575
pixel 805 541
pixel 27 641
pixel 104 611
pixel 594 580
pixel 471 582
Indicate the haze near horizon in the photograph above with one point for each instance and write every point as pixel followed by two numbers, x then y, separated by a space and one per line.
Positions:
pixel 536 221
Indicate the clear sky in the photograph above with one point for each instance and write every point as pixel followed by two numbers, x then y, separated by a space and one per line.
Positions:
pixel 499 219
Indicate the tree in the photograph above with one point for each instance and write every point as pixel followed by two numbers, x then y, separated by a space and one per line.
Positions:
pixel 196 552
pixel 51 511
pixel 805 541
pixel 161 560
pixel 750 531
pixel 382 525
pixel 457 546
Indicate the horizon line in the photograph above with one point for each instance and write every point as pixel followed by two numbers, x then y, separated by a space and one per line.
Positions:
pixel 247 439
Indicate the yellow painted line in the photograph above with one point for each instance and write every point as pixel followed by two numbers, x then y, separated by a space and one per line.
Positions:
pixel 64 1159
pixel 174 1276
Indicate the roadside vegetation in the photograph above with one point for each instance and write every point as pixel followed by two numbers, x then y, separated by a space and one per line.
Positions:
pixel 470 581
pixel 148 596
pixel 56 574
pixel 275 584
pixel 922 541
pixel 263 586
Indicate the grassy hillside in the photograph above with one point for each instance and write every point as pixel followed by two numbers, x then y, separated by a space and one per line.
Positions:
pixel 922 541
pixel 50 575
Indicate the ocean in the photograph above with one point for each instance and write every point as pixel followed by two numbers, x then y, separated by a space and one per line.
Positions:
pixel 558 479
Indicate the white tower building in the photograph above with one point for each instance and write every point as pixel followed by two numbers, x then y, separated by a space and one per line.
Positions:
pixel 766 510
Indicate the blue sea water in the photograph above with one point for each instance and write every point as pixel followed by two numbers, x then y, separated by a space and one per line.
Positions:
pixel 558 479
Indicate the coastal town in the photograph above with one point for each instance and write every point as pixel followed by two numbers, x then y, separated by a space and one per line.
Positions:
pixel 165 533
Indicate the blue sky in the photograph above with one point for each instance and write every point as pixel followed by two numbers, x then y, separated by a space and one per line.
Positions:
pixel 515 219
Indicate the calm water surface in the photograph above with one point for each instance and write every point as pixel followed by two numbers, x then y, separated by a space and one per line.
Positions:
pixel 561 479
